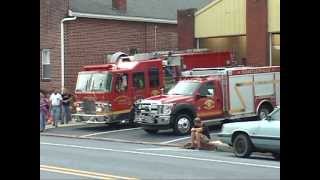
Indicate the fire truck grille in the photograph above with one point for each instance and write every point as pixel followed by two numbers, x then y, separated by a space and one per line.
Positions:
pixel 89 107
pixel 147 108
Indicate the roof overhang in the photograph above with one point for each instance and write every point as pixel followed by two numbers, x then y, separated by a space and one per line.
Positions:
pixel 122 18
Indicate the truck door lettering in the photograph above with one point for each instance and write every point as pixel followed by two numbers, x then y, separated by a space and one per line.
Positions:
pixel 208 104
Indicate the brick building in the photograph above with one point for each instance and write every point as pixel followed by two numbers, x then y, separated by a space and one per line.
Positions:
pixel 95 29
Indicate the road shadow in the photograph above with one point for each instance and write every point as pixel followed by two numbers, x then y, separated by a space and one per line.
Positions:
pixel 104 127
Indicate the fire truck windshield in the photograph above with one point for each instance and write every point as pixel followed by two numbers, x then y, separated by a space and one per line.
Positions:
pixel 94 82
pixel 186 88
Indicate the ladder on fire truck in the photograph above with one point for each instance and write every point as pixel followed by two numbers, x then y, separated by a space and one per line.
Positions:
pixel 152 55
pixel 201 72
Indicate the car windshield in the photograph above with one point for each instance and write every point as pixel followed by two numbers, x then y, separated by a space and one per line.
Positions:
pixel 275 115
pixel 184 88
pixel 94 82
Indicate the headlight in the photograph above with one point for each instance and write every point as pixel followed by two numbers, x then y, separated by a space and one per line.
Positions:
pixel 166 108
pixel 99 109
pixel 107 107
pixel 103 107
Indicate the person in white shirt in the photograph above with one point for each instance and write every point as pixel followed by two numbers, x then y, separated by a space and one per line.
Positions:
pixel 55 103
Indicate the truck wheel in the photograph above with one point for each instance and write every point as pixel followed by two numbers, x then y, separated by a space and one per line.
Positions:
pixel 182 124
pixel 242 146
pixel 151 131
pixel 263 112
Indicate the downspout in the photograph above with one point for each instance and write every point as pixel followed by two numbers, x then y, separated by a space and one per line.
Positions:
pixel 155 37
pixel 62 47
pixel 198 43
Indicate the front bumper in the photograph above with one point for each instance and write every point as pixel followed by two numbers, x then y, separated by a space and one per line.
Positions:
pixel 93 118
pixel 150 119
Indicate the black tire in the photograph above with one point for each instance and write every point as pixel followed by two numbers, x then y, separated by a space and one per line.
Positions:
pixel 242 146
pixel 276 156
pixel 182 124
pixel 151 131
pixel 264 110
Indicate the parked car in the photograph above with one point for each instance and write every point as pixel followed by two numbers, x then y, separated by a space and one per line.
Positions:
pixel 254 136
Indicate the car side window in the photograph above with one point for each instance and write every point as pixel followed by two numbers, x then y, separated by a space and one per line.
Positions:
pixel 207 89
pixel 275 116
pixel 122 82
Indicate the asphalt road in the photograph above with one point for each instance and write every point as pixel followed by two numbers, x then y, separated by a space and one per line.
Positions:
pixel 69 158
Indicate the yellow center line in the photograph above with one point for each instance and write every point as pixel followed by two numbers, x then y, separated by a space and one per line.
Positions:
pixel 76 174
pixel 82 173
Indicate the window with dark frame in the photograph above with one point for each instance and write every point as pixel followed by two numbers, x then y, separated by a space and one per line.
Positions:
pixel 138 80
pixel 154 77
pixel 122 82
pixel 46 66
pixel 207 89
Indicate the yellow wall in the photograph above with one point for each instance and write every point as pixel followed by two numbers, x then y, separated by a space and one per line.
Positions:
pixel 275 38
pixel 221 18
pixel 274 15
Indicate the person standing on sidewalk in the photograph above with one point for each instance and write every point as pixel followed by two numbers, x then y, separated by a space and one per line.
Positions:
pixel 44 110
pixel 55 103
pixel 66 99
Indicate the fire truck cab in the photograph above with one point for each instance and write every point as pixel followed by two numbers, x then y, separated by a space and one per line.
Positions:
pixel 106 93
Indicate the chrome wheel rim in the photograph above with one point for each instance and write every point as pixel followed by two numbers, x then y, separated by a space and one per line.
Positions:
pixel 183 125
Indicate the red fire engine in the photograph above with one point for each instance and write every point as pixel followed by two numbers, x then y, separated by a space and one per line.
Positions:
pixel 214 95
pixel 106 93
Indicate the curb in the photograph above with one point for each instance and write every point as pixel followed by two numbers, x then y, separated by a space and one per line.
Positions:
pixel 65 125
pixel 107 139
pixel 221 147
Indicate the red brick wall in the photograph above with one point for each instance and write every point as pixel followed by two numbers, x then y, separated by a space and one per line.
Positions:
pixel 186 38
pixel 88 40
pixel 51 13
pixel 257 32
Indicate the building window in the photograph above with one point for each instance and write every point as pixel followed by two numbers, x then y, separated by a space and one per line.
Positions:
pixel 138 80
pixel 154 77
pixel 46 66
